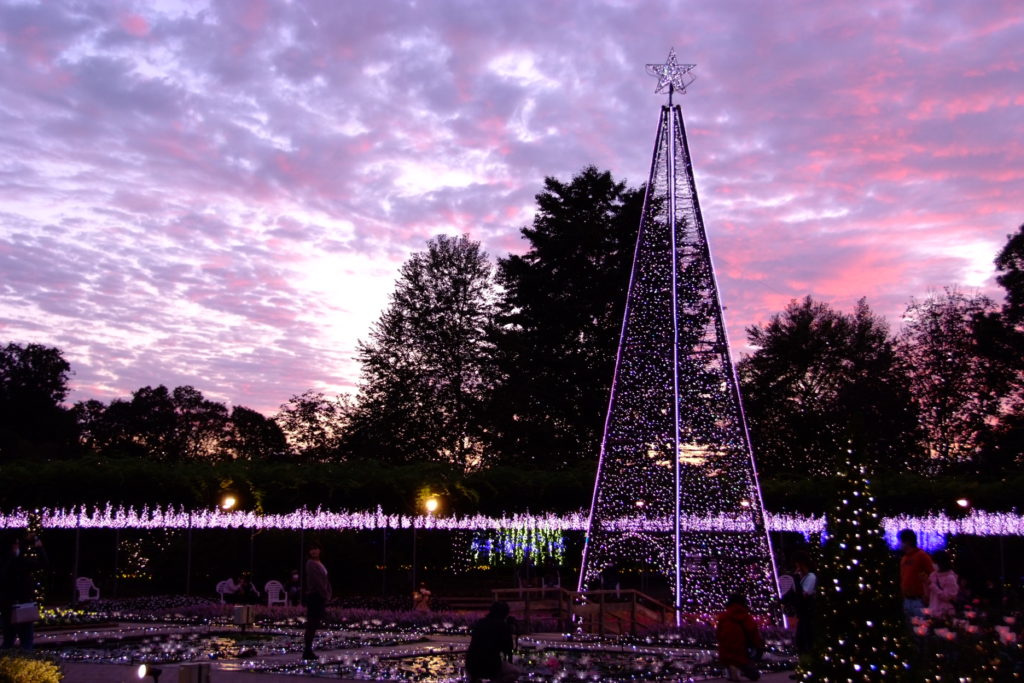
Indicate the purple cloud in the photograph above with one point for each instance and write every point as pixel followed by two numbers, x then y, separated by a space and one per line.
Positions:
pixel 220 194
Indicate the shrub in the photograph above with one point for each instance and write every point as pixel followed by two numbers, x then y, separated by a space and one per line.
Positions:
pixel 22 670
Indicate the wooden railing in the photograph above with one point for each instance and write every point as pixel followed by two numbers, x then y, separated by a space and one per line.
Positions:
pixel 602 611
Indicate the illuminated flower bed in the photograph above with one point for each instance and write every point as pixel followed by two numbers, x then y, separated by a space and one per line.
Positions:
pixel 131 647
pixel 973 643
pixel 552 663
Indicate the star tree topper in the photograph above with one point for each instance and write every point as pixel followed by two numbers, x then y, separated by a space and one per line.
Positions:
pixel 672 75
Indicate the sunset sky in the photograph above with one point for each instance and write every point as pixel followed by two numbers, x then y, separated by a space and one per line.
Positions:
pixel 221 194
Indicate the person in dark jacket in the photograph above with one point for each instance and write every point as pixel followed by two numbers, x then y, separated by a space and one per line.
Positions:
pixel 738 636
pixel 17 586
pixel 318 593
pixel 491 637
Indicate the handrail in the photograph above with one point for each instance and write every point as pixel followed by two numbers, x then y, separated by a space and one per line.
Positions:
pixel 566 599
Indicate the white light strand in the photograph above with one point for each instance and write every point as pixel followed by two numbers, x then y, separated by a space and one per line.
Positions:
pixel 975 523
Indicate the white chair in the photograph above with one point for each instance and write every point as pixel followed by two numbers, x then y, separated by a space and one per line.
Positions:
pixel 275 593
pixel 224 587
pixel 87 590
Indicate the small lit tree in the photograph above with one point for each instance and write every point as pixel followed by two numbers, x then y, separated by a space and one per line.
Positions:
pixel 861 636
pixel 34 528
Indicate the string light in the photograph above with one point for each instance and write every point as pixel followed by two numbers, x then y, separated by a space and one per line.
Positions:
pixel 676 490
pixel 519 545
pixel 862 639
pixel 977 523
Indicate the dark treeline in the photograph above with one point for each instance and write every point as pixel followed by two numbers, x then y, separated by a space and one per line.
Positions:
pixel 476 367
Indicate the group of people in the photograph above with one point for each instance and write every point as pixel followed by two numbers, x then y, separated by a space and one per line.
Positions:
pixel 928 586
pixel 926 582
pixel 240 590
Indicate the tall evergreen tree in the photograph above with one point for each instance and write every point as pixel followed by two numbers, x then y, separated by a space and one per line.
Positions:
pixel 426 366
pixel 818 375
pixel 560 317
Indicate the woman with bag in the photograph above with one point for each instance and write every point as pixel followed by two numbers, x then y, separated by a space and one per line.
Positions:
pixel 18 610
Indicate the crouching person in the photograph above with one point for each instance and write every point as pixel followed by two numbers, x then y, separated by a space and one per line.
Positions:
pixel 739 640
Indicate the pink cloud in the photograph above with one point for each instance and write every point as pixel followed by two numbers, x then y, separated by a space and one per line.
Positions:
pixel 226 202
pixel 135 24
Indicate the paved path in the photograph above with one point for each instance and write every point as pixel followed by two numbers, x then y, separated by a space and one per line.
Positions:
pixel 227 670
pixel 114 673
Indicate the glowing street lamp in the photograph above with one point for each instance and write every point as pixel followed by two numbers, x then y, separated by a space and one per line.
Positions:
pixel 431 505
pixel 145 670
pixel 963 502
pixel 228 502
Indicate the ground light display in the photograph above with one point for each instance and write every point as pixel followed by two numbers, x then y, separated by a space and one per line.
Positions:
pixel 675 442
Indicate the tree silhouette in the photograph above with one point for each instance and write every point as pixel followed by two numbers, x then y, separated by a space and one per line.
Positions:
pixel 312 424
pixel 33 387
pixel 818 374
pixel 957 386
pixel 559 318
pixel 426 365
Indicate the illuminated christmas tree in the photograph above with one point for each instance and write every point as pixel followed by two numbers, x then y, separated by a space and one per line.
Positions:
pixel 33 531
pixel 676 488
pixel 862 637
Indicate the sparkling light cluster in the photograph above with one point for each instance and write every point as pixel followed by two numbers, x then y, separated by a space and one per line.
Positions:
pixel 517 545
pixel 676 491
pixel 862 638
pixel 976 523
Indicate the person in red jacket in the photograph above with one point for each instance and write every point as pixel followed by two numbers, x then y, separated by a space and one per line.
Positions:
pixel 915 568
pixel 738 637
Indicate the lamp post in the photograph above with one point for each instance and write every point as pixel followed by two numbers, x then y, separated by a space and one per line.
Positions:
pixel 227 502
pixel 430 505
pixel 188 556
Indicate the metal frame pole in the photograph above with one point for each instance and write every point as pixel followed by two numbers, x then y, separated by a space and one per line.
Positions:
pixel 188 557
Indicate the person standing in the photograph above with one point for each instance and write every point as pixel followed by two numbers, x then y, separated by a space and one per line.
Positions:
pixel 318 592
pixel 805 589
pixel 943 588
pixel 915 568
pixel 17 587
pixel 491 637
pixel 294 588
pixel 421 598
pixel 738 636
